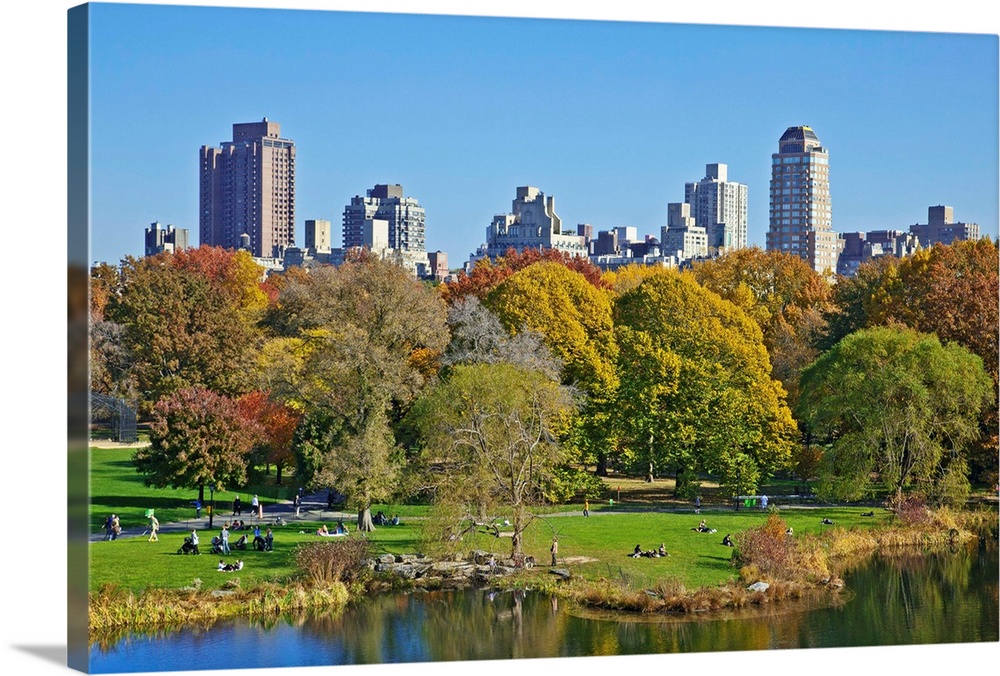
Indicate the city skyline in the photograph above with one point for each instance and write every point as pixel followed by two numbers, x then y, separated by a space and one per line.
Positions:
pixel 610 118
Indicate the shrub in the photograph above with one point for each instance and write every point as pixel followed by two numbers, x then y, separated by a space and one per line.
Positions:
pixel 327 562
pixel 910 510
pixel 766 547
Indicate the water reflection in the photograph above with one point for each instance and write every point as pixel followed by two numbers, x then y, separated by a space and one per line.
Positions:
pixel 898 599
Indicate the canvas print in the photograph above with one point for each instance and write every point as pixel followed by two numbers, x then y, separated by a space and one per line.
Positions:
pixel 412 338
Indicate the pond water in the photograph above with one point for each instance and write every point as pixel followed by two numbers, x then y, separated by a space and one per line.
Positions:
pixel 948 597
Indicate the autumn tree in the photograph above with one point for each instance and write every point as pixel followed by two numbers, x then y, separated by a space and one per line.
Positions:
pixel 188 321
pixel 574 318
pixel 361 345
pixel 696 391
pixel 487 274
pixel 277 422
pixel 783 294
pixel 492 433
pixel 896 409
pixel 198 438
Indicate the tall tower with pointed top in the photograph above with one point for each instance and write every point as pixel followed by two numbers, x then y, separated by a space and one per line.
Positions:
pixel 801 216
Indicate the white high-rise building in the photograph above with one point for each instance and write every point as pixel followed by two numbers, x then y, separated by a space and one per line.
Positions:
pixel 406 218
pixel 719 206
pixel 681 237
pixel 801 216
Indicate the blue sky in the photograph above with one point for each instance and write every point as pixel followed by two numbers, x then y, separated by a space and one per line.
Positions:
pixel 611 118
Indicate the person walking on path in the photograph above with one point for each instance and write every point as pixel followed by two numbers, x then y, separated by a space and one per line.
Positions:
pixel 697 504
pixel 554 549
pixel 237 507
pixel 297 503
pixel 154 525
pixel 586 507
pixel 763 502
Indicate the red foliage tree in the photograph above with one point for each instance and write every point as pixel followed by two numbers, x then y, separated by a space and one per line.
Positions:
pixel 487 275
pixel 277 423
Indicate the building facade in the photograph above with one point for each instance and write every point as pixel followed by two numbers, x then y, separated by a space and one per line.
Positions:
pixel 169 238
pixel 405 216
pixel 801 215
pixel 861 247
pixel 941 227
pixel 720 207
pixel 318 235
pixel 533 224
pixel 247 187
pixel 681 237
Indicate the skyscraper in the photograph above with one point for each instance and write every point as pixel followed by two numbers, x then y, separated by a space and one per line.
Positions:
pixel 248 187
pixel 801 218
pixel 386 202
pixel 719 206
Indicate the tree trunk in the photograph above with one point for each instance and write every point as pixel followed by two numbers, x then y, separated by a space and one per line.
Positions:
pixel 649 475
pixel 365 524
pixel 277 480
pixel 201 494
pixel 602 464
pixel 515 541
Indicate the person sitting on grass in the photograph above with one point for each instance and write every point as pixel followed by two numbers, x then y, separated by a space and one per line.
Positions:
pixel 222 565
pixel 663 550
pixel 827 522
pixel 637 552
pixel 702 528
pixel 341 528
pixel 727 541
pixel 323 530
pixel 231 567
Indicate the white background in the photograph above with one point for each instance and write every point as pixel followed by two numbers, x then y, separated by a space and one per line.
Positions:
pixel 33 217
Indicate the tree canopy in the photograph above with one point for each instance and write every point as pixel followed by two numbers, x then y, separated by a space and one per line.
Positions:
pixel 947 290
pixel 896 409
pixel 783 294
pixel 696 391
pixel 184 321
pixel 198 438
pixel 492 433
pixel 364 340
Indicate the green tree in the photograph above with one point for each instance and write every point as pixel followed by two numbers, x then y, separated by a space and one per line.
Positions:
pixel 896 409
pixel 364 341
pixel 696 392
pixel 198 438
pixel 948 290
pixel 491 433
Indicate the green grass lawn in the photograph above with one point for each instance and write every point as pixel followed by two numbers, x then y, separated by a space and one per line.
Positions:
pixel 136 563
pixel 604 540
pixel 116 488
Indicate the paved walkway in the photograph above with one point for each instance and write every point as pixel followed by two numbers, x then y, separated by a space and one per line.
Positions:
pixel 313 509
